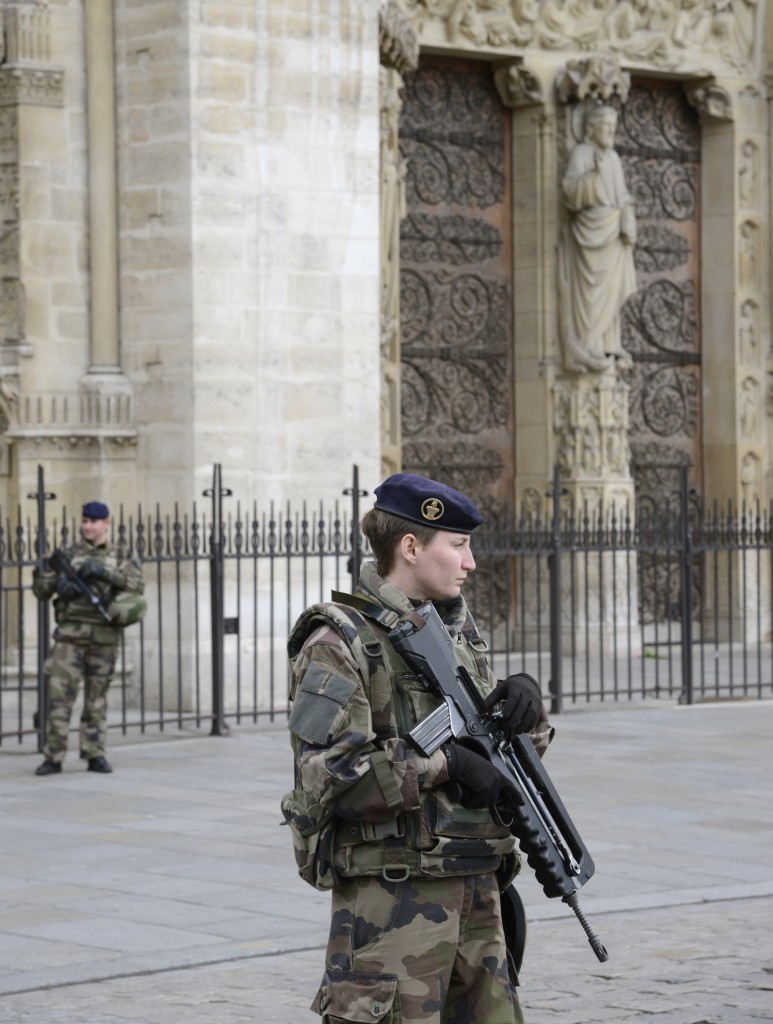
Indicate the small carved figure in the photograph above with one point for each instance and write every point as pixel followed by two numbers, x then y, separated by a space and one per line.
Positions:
pixel 749 408
pixel 747 175
pixel 747 255
pixel 747 332
pixel 750 479
pixel 596 269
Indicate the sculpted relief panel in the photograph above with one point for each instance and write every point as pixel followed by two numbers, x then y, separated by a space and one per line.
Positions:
pixel 662 33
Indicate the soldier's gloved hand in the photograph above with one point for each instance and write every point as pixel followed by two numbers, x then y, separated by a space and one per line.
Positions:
pixel 522 701
pixel 93 569
pixel 66 588
pixel 479 781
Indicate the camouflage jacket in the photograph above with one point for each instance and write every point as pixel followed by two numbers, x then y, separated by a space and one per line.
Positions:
pixel 353 698
pixel 76 618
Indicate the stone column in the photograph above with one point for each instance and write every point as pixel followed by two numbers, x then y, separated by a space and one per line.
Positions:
pixel 735 331
pixel 735 283
pixel 399 53
pixel 527 91
pixel 104 374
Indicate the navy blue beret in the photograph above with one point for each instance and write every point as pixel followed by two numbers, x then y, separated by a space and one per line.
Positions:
pixel 425 501
pixel 95 510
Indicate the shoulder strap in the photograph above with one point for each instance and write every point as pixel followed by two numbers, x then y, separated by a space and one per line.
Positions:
pixel 378 679
pixel 384 616
pixel 365 645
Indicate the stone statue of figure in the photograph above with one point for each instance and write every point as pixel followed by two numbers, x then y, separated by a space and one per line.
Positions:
pixel 595 264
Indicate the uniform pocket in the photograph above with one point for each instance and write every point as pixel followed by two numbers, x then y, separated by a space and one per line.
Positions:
pixel 312 828
pixel 361 998
pixel 447 818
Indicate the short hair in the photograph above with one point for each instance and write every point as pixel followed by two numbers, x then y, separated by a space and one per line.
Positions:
pixel 384 531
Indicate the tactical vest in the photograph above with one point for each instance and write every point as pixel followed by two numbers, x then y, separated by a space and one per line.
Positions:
pixel 78 620
pixel 441 837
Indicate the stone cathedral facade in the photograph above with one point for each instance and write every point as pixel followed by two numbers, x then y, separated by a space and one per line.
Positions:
pixel 289 237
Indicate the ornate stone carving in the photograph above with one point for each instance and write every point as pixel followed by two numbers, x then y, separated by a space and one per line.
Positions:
pixel 73 418
pixel 751 478
pixel 748 333
pixel 27 75
pixel 27 27
pixel 532 503
pixel 749 408
pixel 398 42
pixel 591 424
pixel 748 270
pixel 597 80
pixel 748 175
pixel 518 86
pixel 692 34
pixel 712 102
pixel 39 86
pixel 595 269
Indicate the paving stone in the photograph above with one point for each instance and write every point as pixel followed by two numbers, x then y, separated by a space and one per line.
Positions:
pixel 167 892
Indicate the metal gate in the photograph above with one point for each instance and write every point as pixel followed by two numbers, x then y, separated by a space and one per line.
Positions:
pixel 225 582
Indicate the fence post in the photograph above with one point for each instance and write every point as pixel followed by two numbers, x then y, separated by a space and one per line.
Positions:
pixel 554 569
pixel 685 584
pixel 41 496
pixel 217 602
pixel 356 494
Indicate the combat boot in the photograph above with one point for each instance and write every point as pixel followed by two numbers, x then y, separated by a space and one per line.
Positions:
pixel 48 768
pixel 99 764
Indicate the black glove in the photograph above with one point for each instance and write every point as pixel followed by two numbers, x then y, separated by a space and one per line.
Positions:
pixel 93 569
pixel 522 702
pixel 480 782
pixel 66 588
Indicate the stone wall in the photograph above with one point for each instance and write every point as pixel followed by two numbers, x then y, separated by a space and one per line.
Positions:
pixel 247 177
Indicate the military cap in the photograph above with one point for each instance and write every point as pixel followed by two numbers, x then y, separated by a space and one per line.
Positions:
pixel 95 510
pixel 421 500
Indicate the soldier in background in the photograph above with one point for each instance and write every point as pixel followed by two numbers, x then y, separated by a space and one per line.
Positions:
pixel 407 843
pixel 85 645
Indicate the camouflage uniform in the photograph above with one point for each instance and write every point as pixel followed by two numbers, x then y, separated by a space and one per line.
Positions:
pixel 85 647
pixel 416 934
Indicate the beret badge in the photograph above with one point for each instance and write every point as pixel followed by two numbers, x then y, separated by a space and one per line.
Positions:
pixel 432 509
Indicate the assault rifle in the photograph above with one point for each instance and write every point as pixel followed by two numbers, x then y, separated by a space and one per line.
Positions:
pixel 529 804
pixel 60 563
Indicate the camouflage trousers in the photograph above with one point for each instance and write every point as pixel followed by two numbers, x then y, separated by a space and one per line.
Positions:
pixel 423 951
pixel 64 669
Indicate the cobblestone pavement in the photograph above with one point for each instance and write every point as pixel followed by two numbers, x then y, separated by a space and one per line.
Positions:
pixel 166 893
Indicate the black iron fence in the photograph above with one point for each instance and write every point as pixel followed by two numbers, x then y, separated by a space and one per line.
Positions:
pixel 598 605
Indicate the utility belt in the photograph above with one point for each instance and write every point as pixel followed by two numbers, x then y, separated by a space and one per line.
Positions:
pixel 383 848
